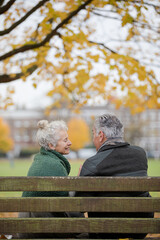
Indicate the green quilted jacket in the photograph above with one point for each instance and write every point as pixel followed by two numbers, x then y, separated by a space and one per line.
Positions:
pixel 48 163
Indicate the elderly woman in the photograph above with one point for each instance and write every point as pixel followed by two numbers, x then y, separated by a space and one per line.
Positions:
pixel 54 142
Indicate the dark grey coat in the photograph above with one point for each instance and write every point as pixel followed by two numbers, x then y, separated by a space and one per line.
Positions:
pixel 118 159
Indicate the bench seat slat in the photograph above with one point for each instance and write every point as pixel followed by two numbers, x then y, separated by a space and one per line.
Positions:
pixel 70 225
pixel 61 204
pixel 79 184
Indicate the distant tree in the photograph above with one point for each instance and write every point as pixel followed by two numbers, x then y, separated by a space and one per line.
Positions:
pixel 6 143
pixel 55 41
pixel 78 132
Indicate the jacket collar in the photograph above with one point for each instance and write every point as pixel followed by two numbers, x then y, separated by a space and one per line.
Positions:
pixel 58 155
pixel 115 145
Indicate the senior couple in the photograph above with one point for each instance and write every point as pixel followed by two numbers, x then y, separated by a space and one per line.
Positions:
pixel 114 157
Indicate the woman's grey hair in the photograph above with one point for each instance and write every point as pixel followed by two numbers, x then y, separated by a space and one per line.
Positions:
pixel 49 132
pixel 110 125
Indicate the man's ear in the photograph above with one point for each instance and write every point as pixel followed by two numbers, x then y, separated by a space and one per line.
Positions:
pixel 101 136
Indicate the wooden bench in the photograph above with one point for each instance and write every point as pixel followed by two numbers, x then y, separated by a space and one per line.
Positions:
pixel 85 204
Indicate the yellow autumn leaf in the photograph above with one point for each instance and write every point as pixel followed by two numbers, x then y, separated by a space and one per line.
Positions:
pixel 127 18
pixel 34 85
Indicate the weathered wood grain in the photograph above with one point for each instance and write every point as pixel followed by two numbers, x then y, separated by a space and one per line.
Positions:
pixel 84 204
pixel 76 225
pixel 79 184
pixel 91 204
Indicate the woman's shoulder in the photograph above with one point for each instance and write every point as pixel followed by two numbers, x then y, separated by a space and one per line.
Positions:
pixel 47 160
pixel 45 167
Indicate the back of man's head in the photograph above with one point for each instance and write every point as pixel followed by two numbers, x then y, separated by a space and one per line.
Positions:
pixel 110 125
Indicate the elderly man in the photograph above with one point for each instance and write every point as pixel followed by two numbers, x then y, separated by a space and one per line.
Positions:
pixel 114 157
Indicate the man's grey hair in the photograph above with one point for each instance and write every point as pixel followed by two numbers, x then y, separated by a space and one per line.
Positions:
pixel 49 133
pixel 110 125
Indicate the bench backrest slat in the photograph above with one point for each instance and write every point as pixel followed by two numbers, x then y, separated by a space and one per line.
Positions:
pixel 80 204
pixel 72 225
pixel 79 184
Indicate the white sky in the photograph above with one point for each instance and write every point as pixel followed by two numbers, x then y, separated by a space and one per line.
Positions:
pixel 26 95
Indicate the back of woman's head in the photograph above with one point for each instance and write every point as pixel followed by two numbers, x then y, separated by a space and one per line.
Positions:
pixel 49 132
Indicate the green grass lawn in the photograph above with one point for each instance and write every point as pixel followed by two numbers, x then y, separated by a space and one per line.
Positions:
pixel 154 168
pixel 21 166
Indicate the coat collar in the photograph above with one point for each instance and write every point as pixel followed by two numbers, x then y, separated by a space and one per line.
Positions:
pixel 115 145
pixel 53 153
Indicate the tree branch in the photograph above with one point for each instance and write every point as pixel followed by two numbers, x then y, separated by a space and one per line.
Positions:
pixel 1 2
pixel 6 7
pixel 138 24
pixel 5 78
pixel 101 15
pixel 103 45
pixel 149 4
pixel 141 2
pixel 13 26
pixel 134 41
pixel 146 26
pixel 156 7
pixel 27 47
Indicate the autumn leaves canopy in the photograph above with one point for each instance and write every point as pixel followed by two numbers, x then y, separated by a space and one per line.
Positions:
pixel 55 41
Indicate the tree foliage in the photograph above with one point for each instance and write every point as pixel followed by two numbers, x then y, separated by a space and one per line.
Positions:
pixel 6 143
pixel 78 132
pixel 58 41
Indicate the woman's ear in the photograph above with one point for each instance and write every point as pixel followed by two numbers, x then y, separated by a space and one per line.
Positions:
pixel 51 146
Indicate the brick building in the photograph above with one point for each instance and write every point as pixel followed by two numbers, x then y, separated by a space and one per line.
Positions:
pixel 141 129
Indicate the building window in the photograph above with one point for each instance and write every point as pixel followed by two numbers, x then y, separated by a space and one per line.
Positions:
pixel 17 123
pixel 26 124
